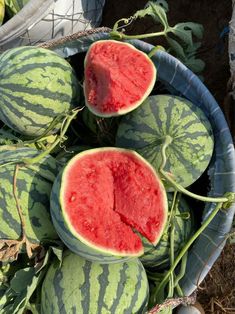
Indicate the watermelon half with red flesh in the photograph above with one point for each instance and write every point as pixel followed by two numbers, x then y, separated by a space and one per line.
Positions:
pixel 117 79
pixel 101 198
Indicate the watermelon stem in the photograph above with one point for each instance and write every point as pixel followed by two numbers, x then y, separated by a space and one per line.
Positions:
pixel 119 35
pixel 186 248
pixel 59 139
pixel 180 188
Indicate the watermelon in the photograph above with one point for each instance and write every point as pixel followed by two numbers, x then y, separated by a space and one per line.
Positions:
pixel 99 196
pixel 36 86
pixel 117 77
pixel 33 187
pixel 81 286
pixel 162 116
pixel 159 256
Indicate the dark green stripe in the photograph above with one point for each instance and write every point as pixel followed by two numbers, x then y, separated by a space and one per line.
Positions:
pixel 9 55
pixel 29 68
pixel 38 108
pixel 104 283
pixel 85 288
pixel 120 287
pixel 140 280
pixel 7 119
pixel 59 291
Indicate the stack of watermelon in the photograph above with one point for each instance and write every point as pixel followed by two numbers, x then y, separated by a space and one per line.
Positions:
pixel 83 223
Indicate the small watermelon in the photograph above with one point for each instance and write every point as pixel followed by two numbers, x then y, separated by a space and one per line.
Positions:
pixel 159 256
pixel 81 286
pixel 36 86
pixel 192 142
pixel 118 77
pixel 28 189
pixel 99 196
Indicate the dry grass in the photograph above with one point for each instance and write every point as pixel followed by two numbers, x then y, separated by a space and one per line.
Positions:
pixel 217 292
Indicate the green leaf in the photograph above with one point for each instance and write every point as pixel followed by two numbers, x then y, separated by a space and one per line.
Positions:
pixel 156 11
pixel 185 31
pixel 195 65
pixel 163 4
pixel 22 279
pixel 176 47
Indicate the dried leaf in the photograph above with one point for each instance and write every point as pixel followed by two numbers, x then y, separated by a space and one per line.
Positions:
pixel 9 250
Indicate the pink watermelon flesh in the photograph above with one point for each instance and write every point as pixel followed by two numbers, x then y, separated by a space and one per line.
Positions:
pixel 118 77
pixel 109 192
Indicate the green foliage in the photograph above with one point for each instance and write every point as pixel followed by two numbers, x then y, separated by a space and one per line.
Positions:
pixel 180 37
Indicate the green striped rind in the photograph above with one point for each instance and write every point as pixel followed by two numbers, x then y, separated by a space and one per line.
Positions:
pixel 145 129
pixel 159 256
pixel 36 85
pixel 80 286
pixel 70 240
pixel 33 187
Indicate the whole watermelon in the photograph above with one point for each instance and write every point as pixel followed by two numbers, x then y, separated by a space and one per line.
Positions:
pixel 28 189
pixel 165 116
pixel 83 287
pixel 36 86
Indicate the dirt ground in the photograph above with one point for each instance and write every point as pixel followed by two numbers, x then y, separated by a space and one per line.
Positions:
pixel 217 292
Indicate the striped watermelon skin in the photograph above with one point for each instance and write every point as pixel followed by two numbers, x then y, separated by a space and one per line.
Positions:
pixel 80 286
pixel 36 85
pixel 159 256
pixel 33 188
pixel 145 129
pixel 72 242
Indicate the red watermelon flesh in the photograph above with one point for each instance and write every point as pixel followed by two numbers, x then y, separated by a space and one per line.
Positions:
pixel 107 193
pixel 118 77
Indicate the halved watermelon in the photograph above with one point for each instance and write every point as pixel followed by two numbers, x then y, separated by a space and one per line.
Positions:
pixel 118 78
pixel 101 197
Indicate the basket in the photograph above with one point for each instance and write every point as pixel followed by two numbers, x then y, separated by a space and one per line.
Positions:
pixel 43 20
pixel 221 172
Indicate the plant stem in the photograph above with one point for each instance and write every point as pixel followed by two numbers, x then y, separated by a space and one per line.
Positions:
pixel 187 246
pixel 177 186
pixel 64 128
pixel 119 35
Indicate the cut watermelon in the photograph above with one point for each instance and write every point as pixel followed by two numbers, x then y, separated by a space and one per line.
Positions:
pixel 118 78
pixel 101 196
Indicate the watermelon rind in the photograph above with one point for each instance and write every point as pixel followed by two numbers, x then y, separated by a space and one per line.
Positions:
pixel 76 242
pixel 33 186
pixel 81 286
pixel 160 116
pixel 135 104
pixel 36 85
